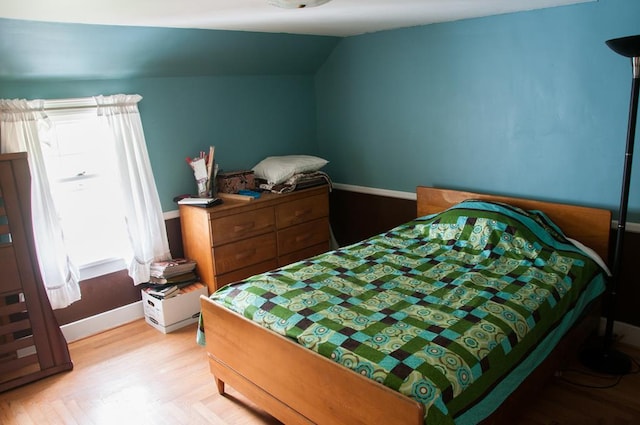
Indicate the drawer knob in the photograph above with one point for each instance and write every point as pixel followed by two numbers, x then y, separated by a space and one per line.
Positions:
pixel 244 227
pixel 245 254
pixel 300 213
pixel 302 238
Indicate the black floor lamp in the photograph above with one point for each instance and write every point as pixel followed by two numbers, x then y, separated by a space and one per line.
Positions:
pixel 605 359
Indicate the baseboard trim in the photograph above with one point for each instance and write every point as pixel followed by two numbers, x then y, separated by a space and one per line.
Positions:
pixel 629 227
pixel 168 215
pixel 624 332
pixel 627 334
pixel 102 322
pixel 411 196
pixel 375 191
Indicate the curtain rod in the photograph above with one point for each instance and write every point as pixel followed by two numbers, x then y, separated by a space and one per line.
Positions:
pixel 72 103
pixel 85 103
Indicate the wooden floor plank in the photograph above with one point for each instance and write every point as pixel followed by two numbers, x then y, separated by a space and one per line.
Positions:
pixel 136 375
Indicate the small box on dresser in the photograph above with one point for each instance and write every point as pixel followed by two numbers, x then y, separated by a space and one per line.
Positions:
pixel 235 181
pixel 167 315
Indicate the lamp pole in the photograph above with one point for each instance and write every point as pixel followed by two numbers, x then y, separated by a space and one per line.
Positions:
pixel 605 359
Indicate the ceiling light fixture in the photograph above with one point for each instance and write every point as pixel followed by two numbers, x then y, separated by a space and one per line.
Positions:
pixel 297 4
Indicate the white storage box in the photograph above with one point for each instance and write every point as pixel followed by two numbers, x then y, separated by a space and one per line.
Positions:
pixel 173 313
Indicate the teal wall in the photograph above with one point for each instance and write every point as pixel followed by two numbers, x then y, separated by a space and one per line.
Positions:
pixel 54 51
pixel 248 94
pixel 245 118
pixel 530 104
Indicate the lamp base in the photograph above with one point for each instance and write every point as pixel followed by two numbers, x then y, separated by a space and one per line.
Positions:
pixel 607 361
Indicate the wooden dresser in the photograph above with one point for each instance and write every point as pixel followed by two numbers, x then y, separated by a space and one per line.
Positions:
pixel 31 343
pixel 238 239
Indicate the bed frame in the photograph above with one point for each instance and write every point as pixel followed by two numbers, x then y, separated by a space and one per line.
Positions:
pixel 299 386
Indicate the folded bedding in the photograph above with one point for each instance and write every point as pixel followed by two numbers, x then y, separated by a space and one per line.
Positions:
pixel 440 309
pixel 297 182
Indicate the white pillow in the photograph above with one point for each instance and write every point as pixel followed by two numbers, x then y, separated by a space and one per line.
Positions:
pixel 278 169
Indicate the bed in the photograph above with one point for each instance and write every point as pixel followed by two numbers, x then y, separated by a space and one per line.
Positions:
pixel 420 324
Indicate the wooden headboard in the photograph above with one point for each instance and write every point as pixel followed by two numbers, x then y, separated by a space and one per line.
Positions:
pixel 591 226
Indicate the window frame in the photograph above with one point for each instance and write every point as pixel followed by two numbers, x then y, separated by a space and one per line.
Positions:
pixel 79 106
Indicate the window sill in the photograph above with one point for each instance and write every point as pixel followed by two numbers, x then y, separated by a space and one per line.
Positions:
pixel 100 268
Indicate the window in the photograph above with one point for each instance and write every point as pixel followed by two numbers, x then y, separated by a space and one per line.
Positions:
pixel 80 160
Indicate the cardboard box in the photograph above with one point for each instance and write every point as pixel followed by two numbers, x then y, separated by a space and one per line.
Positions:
pixel 175 312
pixel 235 181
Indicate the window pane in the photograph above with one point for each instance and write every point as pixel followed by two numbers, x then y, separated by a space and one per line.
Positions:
pixel 81 167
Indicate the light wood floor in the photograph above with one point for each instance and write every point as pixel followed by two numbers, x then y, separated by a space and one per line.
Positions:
pixel 137 375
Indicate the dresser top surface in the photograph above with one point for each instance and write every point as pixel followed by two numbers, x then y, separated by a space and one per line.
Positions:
pixel 267 199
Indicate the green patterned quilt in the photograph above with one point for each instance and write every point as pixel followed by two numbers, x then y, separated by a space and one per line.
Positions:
pixel 438 309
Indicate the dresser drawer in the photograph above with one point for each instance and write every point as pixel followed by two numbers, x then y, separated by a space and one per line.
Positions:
pixel 303 235
pixel 244 253
pixel 304 253
pixel 302 210
pixel 241 226
pixel 237 239
pixel 245 272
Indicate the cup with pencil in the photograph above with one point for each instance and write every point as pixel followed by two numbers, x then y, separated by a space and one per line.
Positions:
pixel 204 171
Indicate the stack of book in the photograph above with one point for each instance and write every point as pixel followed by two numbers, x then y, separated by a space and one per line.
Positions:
pixel 171 268
pixel 169 277
pixel 168 291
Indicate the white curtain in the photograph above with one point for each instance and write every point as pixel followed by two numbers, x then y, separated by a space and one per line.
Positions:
pixel 143 212
pixel 19 123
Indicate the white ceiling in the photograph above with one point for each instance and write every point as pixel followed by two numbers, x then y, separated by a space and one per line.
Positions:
pixel 337 18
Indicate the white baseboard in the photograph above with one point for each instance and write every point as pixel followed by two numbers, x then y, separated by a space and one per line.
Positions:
pixel 411 196
pixel 74 331
pixel 102 322
pixel 626 333
pixel 375 191
pixel 629 226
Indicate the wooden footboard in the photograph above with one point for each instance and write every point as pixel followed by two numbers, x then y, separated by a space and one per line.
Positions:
pixel 298 386
pixel 292 383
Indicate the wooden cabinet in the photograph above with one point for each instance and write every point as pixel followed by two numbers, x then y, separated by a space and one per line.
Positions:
pixel 238 239
pixel 31 343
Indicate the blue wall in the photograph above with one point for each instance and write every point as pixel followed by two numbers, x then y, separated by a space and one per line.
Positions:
pixel 48 50
pixel 249 94
pixel 531 104
pixel 245 118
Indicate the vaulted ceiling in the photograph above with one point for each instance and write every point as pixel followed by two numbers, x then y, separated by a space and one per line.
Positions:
pixel 78 39
pixel 338 17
